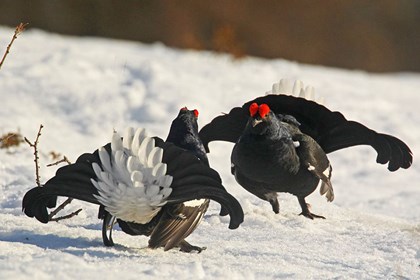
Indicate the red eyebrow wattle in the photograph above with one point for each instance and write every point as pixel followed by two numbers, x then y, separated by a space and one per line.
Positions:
pixel 253 109
pixel 263 110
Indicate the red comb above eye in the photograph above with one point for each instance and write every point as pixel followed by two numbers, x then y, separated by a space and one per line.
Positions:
pixel 253 109
pixel 184 109
pixel 263 110
pixel 195 113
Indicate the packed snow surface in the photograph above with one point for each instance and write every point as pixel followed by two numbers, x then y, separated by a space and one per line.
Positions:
pixel 81 89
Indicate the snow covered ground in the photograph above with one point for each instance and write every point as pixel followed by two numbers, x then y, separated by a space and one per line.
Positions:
pixel 81 89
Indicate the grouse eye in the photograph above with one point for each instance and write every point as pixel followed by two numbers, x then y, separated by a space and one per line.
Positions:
pixel 195 113
pixel 263 110
pixel 253 109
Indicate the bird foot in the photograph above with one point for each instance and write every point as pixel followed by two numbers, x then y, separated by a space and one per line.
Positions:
pixel 186 247
pixel 311 216
pixel 305 210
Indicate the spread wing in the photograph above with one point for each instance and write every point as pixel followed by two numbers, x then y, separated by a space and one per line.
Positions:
pixel 227 127
pixel 330 129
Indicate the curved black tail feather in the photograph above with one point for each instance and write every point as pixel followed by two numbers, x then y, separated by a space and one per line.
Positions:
pixel 203 183
pixel 192 179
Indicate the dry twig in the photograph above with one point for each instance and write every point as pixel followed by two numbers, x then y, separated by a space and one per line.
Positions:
pixel 65 203
pixel 71 215
pixel 64 159
pixel 35 146
pixel 19 29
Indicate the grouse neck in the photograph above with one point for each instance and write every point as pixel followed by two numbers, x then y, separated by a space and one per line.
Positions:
pixel 184 134
pixel 270 130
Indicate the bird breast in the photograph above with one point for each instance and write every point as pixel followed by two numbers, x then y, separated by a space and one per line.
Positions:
pixel 266 160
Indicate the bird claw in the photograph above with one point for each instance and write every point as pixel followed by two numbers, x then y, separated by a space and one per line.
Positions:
pixel 305 210
pixel 311 216
pixel 188 248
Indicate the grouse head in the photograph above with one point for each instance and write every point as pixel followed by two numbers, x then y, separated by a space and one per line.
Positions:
pixel 184 133
pixel 261 118
pixel 184 123
pixel 188 118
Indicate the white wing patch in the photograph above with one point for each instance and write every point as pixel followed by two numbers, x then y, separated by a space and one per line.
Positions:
pixel 132 183
pixel 194 203
pixel 326 188
pixel 297 89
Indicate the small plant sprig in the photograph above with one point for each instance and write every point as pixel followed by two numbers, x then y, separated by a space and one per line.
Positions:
pixel 10 139
pixel 36 160
pixel 38 180
pixel 19 29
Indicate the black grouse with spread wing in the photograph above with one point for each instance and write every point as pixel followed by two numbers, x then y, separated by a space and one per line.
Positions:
pixel 281 142
pixel 149 186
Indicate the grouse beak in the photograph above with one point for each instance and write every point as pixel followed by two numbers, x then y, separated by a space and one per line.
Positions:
pixel 255 122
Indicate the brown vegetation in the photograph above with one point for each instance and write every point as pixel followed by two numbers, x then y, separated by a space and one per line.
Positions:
pixel 376 35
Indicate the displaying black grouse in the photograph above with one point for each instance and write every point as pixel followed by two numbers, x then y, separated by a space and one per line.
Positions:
pixel 150 186
pixel 281 142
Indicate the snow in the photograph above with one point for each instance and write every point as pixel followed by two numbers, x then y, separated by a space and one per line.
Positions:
pixel 81 89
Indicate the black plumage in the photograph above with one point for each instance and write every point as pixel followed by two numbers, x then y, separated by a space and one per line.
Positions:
pixel 283 147
pixel 192 179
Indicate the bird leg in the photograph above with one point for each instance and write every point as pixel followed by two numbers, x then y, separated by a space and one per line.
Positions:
pixel 272 198
pixel 187 247
pixel 107 226
pixel 275 204
pixel 305 210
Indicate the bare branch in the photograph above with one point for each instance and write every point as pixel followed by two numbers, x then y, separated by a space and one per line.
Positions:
pixel 35 146
pixel 65 159
pixel 71 215
pixel 19 29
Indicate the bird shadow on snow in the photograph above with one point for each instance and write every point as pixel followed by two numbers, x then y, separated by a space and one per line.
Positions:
pixel 77 246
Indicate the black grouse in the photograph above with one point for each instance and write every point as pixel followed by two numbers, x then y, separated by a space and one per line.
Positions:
pixel 281 142
pixel 149 186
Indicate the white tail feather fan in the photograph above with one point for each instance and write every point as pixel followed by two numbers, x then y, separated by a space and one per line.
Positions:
pixel 133 185
pixel 297 89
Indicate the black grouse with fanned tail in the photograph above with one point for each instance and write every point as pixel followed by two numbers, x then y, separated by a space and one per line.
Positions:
pixel 149 186
pixel 281 142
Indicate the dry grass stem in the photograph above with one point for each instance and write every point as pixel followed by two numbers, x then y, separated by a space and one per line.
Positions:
pixel 10 139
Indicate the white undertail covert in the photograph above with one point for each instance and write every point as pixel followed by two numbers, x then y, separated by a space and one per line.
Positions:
pixel 132 183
